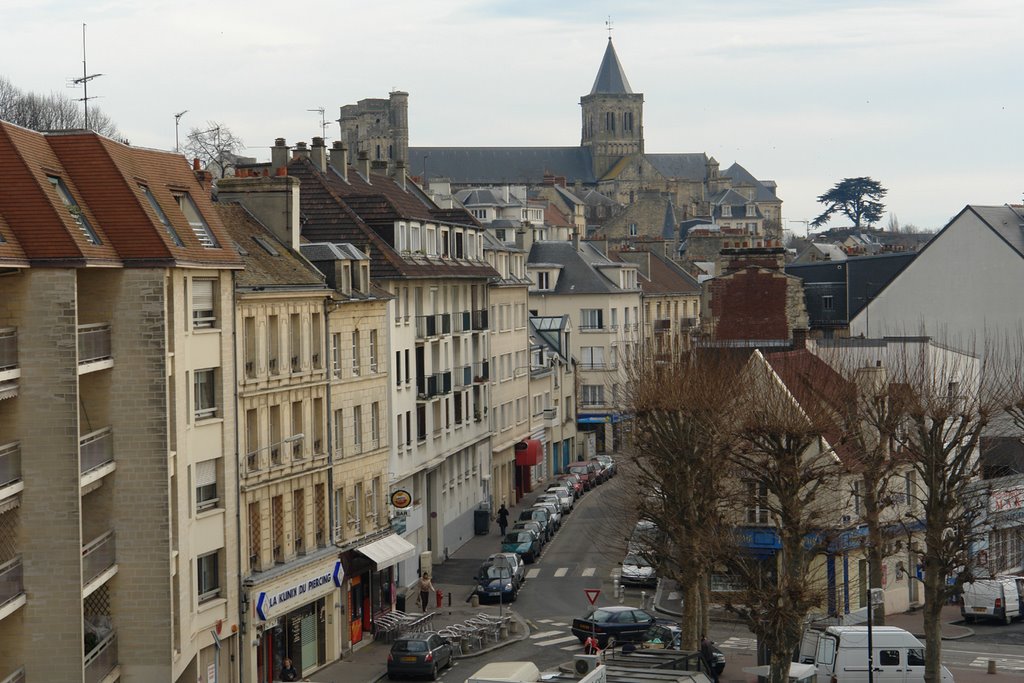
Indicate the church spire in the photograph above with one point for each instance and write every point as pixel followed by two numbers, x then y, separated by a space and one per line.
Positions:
pixel 611 79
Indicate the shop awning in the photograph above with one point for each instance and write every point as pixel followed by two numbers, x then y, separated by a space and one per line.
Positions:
pixel 529 452
pixel 388 551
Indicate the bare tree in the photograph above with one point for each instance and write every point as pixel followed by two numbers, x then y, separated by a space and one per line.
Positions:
pixel 55 111
pixel 216 147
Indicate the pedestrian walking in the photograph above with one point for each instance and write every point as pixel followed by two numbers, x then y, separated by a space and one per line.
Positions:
pixel 426 588
pixel 708 655
pixel 502 519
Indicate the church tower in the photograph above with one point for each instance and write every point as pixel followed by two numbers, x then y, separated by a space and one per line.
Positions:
pixel 613 116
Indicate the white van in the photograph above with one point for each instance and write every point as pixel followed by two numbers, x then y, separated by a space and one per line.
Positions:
pixel 999 598
pixel 842 655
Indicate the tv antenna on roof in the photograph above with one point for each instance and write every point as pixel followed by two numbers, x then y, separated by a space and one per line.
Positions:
pixel 177 120
pixel 323 122
pixel 84 82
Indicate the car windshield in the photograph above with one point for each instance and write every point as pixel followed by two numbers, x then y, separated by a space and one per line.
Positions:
pixel 599 615
pixel 409 646
pixel 495 572
pixel 579 469
pixel 636 561
pixel 521 537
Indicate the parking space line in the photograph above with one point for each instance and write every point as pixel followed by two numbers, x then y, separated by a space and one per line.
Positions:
pixel 533 573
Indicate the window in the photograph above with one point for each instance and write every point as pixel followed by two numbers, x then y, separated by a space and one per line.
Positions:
pixel 315 339
pixel 591 319
pixel 74 209
pixel 373 351
pixel 336 354
pixel 206 485
pixel 757 503
pixel 161 216
pixel 375 422
pixel 197 222
pixel 632 230
pixel 295 340
pixel 751 211
pixel 273 343
pixel 726 211
pixel 277 527
pixel 355 353
pixel 593 357
pixel 205 394
pixel 299 519
pixel 254 535
pixel 543 280
pixel 203 296
pixel 592 394
pixel 858 487
pixel 357 428
pixel 826 303
pixel 889 657
pixel 339 431
pixel 208 576
pixel 915 657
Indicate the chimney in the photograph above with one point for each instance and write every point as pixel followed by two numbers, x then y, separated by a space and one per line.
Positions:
pixel 339 159
pixel 576 240
pixel 273 200
pixel 319 154
pixel 279 154
pixel 301 151
pixel 524 239
pixel 400 173
pixel 799 339
pixel 379 167
pixel 364 164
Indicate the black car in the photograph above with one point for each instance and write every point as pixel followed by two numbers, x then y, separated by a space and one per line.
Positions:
pixel 541 516
pixel 495 582
pixel 621 622
pixel 419 654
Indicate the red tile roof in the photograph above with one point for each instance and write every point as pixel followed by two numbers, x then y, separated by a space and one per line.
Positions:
pixel 11 253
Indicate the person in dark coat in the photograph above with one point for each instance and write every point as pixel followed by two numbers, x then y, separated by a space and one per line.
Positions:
pixel 708 655
pixel 502 519
pixel 288 672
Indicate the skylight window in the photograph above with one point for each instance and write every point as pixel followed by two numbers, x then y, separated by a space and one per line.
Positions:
pixel 171 232
pixel 74 209
pixel 266 245
pixel 197 222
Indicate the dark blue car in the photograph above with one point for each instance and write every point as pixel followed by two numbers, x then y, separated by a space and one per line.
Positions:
pixel 496 583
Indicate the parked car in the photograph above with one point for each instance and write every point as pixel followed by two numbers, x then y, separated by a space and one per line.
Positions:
pixel 621 622
pixel 670 636
pixel 602 473
pixel 1001 598
pixel 645 538
pixel 585 472
pixel 638 571
pixel 609 463
pixel 574 481
pixel 419 654
pixel 496 581
pixel 512 560
pixel 531 525
pixel 542 516
pixel 522 542
pixel 554 509
pixel 564 495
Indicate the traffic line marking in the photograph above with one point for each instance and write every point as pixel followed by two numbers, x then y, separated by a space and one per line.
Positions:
pixel 674 595
pixel 561 571
pixel 1001 663
pixel 740 644
pixel 533 573
pixel 589 571
pixel 571 648
pixel 544 634
pixel 557 641
pixel 545 621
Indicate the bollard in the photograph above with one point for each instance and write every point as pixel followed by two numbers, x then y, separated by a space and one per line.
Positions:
pixel 991 666
pixel 643 599
pixel 503 632
pixel 474 601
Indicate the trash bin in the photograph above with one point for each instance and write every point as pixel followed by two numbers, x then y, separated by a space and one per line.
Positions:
pixel 481 522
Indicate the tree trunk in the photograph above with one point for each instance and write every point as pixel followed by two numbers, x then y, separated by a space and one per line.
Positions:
pixel 933 584
pixel 692 614
pixel 875 545
pixel 780 662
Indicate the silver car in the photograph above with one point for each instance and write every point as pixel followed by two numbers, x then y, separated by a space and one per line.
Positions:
pixel 561 502
pixel 554 512
pixel 565 496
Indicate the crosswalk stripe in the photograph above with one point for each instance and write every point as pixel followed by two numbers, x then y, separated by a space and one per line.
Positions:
pixel 571 648
pixel 561 571
pixel 545 621
pixel 557 641
pixel 532 573
pixel 544 634
pixel 589 571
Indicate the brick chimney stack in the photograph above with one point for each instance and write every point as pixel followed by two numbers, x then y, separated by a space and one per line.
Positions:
pixel 339 159
pixel 279 154
pixel 318 154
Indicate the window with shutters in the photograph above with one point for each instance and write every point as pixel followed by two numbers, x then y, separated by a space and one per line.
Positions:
pixel 204 394
pixel 320 515
pixel 206 485
pixel 357 428
pixel 204 292
pixel 339 514
pixel 299 520
pixel 199 226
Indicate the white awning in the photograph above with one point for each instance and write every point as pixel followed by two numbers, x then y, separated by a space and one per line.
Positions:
pixel 388 551
pixel 8 390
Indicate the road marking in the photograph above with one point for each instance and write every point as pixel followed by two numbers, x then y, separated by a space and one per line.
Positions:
pixel 740 644
pixel 571 648
pixel 545 621
pixel 1004 663
pixel 559 623
pixel 544 634
pixel 557 641
pixel 589 571
pixel 561 571
pixel 532 573
pixel 674 595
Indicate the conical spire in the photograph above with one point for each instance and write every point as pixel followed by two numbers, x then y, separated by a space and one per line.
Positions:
pixel 611 79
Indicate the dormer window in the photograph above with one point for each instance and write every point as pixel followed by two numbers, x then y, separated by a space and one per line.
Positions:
pixel 726 211
pixel 751 210
pixel 74 209
pixel 197 222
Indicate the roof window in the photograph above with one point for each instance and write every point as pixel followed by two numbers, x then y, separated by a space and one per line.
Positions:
pixel 196 221
pixel 266 245
pixel 171 232
pixel 74 209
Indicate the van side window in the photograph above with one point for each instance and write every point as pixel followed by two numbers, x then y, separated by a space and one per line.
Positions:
pixel 915 657
pixel 826 651
pixel 889 657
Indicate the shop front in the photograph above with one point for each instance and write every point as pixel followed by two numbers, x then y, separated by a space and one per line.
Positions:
pixel 371 571
pixel 529 454
pixel 289 613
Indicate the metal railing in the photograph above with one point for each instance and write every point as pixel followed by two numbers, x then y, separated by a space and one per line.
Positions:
pixel 463 376
pixel 101 660
pixel 12 580
pixel 593 366
pixel 93 342
pixel 462 321
pixel 480 319
pixel 8 348
pixel 95 449
pixel 662 325
pixel 688 322
pixel 10 463
pixel 481 371
pixel 437 384
pixel 98 556
pixel 433 325
pixel 15 677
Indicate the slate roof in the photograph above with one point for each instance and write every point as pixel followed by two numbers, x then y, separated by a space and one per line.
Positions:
pixel 687 166
pixel 579 273
pixel 282 269
pixel 591 197
pixel 669 225
pixel 498 165
pixel 486 197
pixel 611 79
pixel 741 176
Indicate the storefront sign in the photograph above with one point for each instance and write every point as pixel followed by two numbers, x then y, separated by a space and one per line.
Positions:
pixel 401 499
pixel 1009 499
pixel 298 591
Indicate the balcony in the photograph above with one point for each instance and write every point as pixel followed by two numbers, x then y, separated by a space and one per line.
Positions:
pixel 10 464
pixel 463 376
pixel 600 365
pixel 101 660
pixel 662 325
pixel 591 327
pixel 431 386
pixel 15 677
pixel 94 347
pixel 98 559
pixel 433 325
pixel 687 323
pixel 463 321
pixel 12 583
pixel 481 372
pixel 8 349
pixel 95 450
pixel 550 415
pixel 479 320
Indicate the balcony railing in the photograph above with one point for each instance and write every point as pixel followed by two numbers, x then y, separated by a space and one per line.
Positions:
pixel 481 372
pixel 97 557
pixel 8 348
pixel 662 325
pixel 550 413
pixel 601 365
pixel 594 327
pixel 101 660
pixel 12 580
pixel 462 321
pixel 16 677
pixel 433 325
pixel 429 386
pixel 688 322
pixel 480 319
pixel 93 342
pixel 96 449
pixel 463 376
pixel 10 463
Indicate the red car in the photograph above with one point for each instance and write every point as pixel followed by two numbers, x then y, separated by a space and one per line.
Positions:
pixel 574 482
pixel 586 472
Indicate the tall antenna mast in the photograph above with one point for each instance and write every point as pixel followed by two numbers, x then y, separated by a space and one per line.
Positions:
pixel 323 122
pixel 84 81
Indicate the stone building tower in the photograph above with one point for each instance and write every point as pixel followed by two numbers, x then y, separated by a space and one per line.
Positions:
pixel 612 116
pixel 378 127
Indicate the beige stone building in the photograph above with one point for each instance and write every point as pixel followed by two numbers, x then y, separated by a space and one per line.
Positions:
pixel 552 397
pixel 117 442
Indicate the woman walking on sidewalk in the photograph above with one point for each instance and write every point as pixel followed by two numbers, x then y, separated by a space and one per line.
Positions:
pixel 502 519
pixel 426 587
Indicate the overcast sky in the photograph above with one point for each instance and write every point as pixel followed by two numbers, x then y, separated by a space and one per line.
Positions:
pixel 923 95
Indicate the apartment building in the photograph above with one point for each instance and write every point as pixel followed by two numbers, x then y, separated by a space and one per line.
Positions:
pixel 552 395
pixel 117 544
pixel 431 262
pixel 602 297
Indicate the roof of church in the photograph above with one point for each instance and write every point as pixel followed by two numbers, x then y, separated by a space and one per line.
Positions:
pixel 504 164
pixel 669 225
pixel 689 166
pixel 611 79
